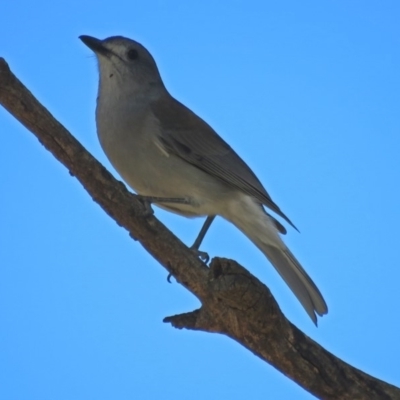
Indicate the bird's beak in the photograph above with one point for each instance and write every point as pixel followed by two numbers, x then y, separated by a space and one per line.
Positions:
pixel 94 44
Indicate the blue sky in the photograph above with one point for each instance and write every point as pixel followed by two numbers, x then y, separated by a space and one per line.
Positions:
pixel 307 92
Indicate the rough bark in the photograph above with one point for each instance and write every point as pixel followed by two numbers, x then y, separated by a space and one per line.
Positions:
pixel 234 302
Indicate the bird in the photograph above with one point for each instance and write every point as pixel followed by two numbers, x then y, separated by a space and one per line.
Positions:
pixel 174 159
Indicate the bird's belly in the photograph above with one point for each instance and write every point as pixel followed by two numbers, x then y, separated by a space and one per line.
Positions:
pixel 151 172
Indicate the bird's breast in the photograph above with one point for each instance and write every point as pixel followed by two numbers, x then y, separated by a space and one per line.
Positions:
pixel 130 141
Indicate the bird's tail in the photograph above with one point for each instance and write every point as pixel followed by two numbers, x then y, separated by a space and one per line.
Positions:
pixel 250 218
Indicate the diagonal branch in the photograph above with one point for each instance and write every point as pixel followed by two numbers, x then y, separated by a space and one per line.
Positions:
pixel 234 302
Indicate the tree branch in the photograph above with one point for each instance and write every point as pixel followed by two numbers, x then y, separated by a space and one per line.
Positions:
pixel 234 302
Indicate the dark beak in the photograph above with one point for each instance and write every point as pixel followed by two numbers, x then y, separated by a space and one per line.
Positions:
pixel 94 44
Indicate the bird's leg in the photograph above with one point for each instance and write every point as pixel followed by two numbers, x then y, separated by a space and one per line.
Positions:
pixel 195 246
pixel 202 232
pixel 153 199
pixel 147 200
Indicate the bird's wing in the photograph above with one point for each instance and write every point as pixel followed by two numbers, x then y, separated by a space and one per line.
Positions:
pixel 187 136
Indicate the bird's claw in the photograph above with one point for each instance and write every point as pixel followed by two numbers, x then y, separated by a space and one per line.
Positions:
pixel 148 210
pixel 201 254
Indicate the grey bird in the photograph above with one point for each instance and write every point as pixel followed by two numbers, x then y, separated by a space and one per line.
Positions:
pixel 170 156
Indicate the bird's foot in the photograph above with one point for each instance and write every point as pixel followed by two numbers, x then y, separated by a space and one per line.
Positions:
pixel 201 254
pixel 145 200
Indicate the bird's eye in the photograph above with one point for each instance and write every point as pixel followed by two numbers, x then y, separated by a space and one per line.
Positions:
pixel 132 54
